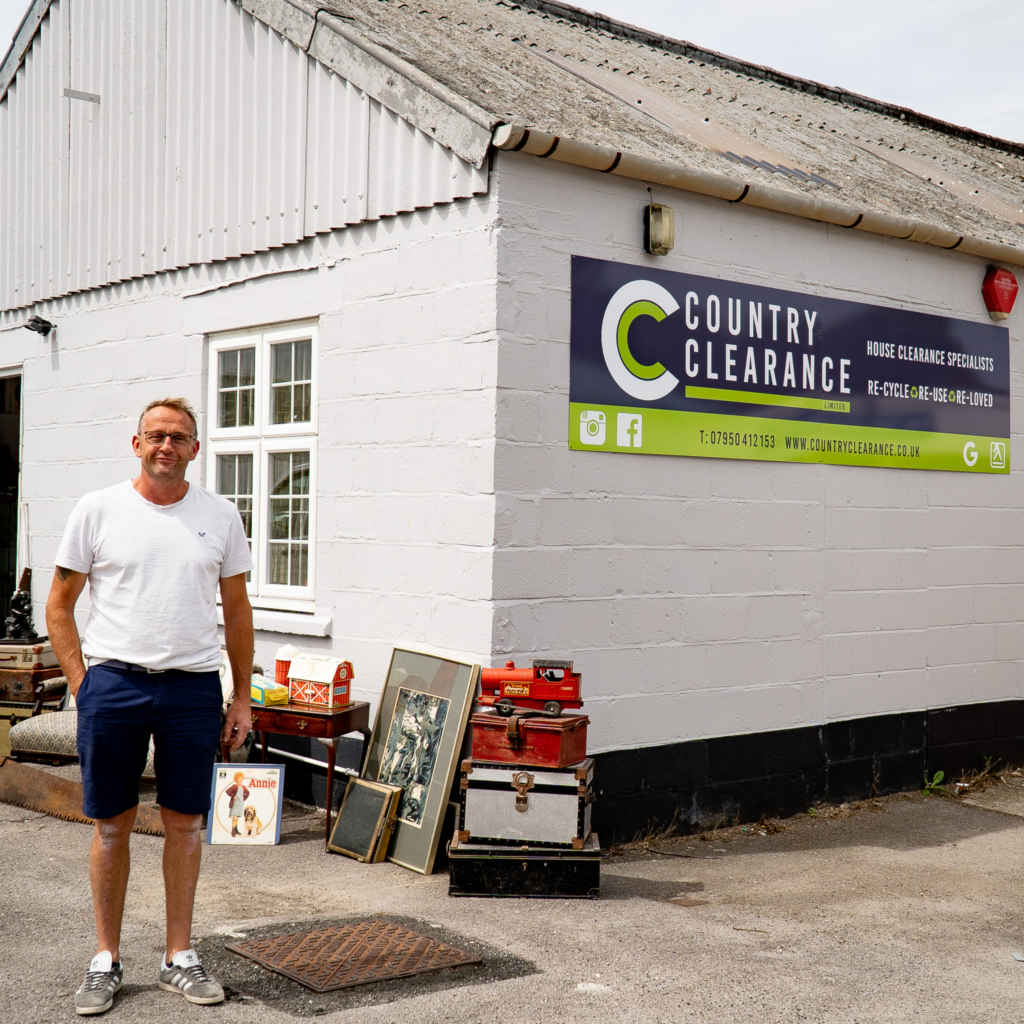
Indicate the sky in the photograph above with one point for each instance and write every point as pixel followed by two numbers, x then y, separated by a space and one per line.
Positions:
pixel 958 60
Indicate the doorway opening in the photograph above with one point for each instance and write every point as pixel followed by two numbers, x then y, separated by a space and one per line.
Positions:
pixel 10 466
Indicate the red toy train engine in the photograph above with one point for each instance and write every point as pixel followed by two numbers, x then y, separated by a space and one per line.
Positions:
pixel 548 686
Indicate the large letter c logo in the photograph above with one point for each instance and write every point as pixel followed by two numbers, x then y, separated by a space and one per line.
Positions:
pixel 647 382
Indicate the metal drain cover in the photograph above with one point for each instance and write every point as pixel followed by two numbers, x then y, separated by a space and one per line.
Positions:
pixel 359 953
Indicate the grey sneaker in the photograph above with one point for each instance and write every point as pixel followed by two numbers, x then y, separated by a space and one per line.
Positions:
pixel 187 975
pixel 102 980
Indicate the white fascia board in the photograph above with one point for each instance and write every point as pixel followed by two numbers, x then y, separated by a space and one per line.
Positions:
pixel 435 110
pixel 455 122
pixel 21 42
pixel 295 22
pixel 451 119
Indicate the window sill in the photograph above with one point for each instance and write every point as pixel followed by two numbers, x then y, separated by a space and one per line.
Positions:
pixel 273 620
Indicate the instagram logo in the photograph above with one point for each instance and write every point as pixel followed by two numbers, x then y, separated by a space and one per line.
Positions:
pixel 592 426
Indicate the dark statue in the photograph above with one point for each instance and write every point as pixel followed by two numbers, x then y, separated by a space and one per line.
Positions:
pixel 18 624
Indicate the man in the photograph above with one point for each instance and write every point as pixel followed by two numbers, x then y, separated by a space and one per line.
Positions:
pixel 155 551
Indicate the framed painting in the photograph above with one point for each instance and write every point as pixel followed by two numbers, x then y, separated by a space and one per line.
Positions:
pixel 365 820
pixel 245 804
pixel 416 743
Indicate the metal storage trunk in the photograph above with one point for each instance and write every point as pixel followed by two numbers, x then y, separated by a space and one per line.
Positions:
pixel 501 804
pixel 479 870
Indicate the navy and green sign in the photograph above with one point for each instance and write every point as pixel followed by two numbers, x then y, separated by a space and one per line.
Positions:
pixel 663 363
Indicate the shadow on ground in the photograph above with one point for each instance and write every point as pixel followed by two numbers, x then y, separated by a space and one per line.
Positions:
pixel 924 821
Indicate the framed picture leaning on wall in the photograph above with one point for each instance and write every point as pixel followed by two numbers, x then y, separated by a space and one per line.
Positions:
pixel 416 741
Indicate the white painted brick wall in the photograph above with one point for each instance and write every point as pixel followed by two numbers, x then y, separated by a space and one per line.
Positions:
pixel 699 597
pixel 406 375
pixel 703 597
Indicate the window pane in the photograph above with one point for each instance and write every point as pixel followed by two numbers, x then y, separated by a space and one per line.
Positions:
pixel 300 520
pixel 281 403
pixel 281 362
pixel 288 513
pixel 247 367
pixel 300 472
pixel 236 388
pixel 278 572
pixel 290 380
pixel 245 511
pixel 303 360
pixel 247 407
pixel 302 410
pixel 234 482
pixel 280 518
pixel 225 474
pixel 228 376
pixel 227 414
pixel 300 561
pixel 280 472
pixel 245 475
pixel 234 475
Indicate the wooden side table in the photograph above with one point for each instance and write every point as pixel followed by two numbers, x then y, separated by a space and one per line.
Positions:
pixel 324 724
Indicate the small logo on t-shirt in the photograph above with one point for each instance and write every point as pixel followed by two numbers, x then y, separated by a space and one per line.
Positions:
pixel 202 533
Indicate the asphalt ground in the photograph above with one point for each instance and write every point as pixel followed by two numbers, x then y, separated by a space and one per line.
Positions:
pixel 900 909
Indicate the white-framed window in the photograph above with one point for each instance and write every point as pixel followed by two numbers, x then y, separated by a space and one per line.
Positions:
pixel 261 452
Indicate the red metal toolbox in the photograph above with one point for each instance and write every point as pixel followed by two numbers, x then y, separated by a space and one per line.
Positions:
pixel 475 870
pixel 500 803
pixel 539 741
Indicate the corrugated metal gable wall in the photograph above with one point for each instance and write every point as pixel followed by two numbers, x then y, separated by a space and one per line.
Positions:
pixel 212 138
pixel 34 224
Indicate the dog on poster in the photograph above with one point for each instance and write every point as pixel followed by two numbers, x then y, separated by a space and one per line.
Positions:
pixel 251 822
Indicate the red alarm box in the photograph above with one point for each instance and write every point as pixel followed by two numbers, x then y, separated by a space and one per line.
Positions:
pixel 541 742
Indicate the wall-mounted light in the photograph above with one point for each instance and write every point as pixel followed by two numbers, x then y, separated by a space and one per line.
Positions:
pixel 659 229
pixel 40 326
pixel 1000 291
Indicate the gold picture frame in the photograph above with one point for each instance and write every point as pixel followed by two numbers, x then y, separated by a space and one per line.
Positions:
pixel 416 742
pixel 365 820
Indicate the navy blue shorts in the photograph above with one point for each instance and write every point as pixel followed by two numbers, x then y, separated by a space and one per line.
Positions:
pixel 118 711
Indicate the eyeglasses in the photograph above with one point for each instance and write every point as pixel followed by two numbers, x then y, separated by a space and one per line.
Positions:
pixel 157 438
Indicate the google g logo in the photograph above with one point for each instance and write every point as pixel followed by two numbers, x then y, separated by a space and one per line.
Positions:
pixel 645 381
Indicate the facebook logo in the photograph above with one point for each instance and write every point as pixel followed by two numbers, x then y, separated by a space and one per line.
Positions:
pixel 629 430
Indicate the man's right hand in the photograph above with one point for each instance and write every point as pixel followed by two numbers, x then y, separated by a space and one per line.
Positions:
pixel 65 590
pixel 74 687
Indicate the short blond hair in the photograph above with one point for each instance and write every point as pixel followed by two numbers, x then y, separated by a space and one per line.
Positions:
pixel 179 404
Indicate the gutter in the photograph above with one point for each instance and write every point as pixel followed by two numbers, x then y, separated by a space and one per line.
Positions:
pixel 515 138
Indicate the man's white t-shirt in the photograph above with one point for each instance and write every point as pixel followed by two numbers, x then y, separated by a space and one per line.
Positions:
pixel 154 573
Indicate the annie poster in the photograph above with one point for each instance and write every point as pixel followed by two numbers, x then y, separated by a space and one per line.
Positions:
pixel 245 804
